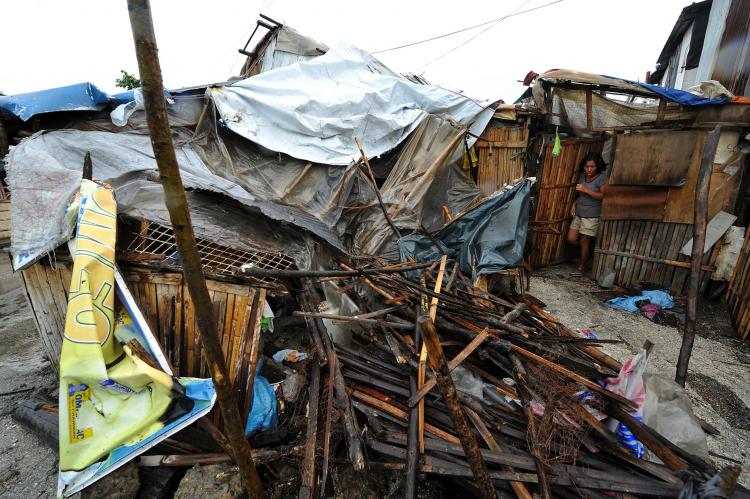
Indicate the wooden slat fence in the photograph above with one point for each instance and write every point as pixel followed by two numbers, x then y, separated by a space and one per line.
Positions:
pixel 165 303
pixel 501 157
pixel 556 192
pixel 738 293
pixel 634 249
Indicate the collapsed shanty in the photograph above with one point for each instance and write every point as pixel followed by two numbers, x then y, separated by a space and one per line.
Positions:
pixel 366 239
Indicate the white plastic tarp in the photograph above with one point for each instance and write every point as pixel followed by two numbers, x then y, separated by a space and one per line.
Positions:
pixel 313 110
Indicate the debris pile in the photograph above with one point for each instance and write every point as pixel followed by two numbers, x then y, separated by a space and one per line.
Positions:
pixel 434 373
pixel 488 392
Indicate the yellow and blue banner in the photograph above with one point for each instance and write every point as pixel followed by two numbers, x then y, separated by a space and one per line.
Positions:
pixel 118 396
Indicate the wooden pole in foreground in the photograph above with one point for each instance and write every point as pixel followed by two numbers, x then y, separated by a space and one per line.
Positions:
pixel 174 195
pixel 455 408
pixel 700 220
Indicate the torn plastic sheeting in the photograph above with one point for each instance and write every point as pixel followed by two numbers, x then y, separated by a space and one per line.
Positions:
pixel 45 170
pixel 667 410
pixel 313 110
pixel 79 97
pixel 485 240
pixel 226 222
pixel 315 195
pixel 118 397
pixel 427 176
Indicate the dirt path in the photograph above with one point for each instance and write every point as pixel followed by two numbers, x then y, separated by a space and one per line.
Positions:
pixel 719 371
pixel 28 466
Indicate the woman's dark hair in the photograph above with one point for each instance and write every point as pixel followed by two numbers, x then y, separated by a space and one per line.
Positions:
pixel 596 158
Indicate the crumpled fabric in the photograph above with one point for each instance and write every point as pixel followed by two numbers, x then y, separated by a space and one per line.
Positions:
pixel 289 355
pixel 629 384
pixel 657 315
pixel 630 303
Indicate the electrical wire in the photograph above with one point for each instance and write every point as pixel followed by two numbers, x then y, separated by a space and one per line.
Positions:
pixel 467 29
pixel 514 11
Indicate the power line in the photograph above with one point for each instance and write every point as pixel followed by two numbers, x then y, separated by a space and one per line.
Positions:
pixel 495 23
pixel 467 29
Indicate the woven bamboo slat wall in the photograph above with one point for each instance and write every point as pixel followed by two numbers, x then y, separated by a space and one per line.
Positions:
pixel 634 249
pixel 164 300
pixel 501 156
pixel 4 222
pixel 557 180
pixel 738 293
pixel 47 295
pixel 165 304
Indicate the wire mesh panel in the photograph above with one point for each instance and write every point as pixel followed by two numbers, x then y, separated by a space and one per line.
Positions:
pixel 158 240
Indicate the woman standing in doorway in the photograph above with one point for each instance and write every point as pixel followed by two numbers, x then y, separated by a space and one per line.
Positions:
pixel 587 207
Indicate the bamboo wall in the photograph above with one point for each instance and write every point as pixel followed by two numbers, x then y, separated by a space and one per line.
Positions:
pixel 556 183
pixel 165 303
pixel 738 293
pixel 501 156
pixel 4 223
pixel 47 296
pixel 636 249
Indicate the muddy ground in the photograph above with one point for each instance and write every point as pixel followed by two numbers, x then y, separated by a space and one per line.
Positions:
pixel 718 383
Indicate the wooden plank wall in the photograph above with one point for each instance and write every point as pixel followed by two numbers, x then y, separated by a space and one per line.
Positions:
pixel 4 223
pixel 650 239
pixel 165 303
pixel 501 156
pixel 738 293
pixel 47 295
pixel 557 180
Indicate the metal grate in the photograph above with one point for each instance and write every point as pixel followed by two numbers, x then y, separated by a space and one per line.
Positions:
pixel 157 239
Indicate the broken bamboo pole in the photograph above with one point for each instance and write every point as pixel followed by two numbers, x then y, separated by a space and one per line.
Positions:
pixel 299 274
pixel 88 168
pixel 518 487
pixel 174 195
pixel 307 486
pixel 455 408
pixel 310 300
pixel 452 365
pixel 700 220
pixel 374 186
pixel 330 388
pixel 412 439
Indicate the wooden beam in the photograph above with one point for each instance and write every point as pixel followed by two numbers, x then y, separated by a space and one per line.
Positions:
pixel 455 408
pixel 174 196
pixel 700 220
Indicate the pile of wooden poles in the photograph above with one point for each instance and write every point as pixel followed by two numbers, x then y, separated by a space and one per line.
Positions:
pixel 528 423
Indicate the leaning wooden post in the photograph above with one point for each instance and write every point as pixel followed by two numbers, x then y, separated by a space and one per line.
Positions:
pixel 700 219
pixel 455 408
pixel 174 195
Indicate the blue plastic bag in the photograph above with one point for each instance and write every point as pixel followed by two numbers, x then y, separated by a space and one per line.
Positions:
pixel 263 414
pixel 628 439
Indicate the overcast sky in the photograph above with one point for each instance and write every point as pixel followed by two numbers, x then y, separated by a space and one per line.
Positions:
pixel 49 43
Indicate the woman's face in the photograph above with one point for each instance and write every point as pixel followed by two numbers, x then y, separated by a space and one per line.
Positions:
pixel 590 168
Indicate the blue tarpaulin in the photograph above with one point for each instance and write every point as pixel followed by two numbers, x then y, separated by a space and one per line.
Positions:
pixel 125 97
pixel 680 96
pixel 78 97
pixel 628 303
